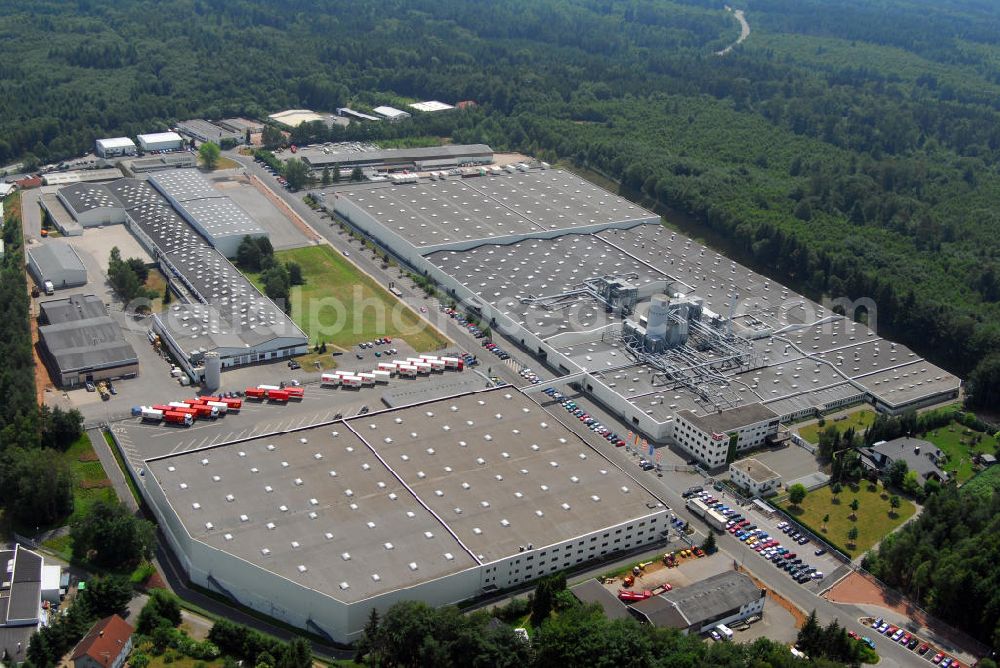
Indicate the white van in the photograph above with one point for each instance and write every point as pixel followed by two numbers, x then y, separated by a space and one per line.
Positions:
pixel 724 631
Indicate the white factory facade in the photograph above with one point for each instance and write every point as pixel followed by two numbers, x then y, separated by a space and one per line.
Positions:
pixel 439 501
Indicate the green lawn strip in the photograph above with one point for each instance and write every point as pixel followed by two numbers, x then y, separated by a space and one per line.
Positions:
pixel 368 310
pixel 124 467
pixel 956 441
pixel 860 420
pixel 873 523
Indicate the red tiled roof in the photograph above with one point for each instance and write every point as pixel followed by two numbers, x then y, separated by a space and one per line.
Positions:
pixel 105 640
pixel 29 182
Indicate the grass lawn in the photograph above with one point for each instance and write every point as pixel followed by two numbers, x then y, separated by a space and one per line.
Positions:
pixel 342 306
pixel 859 419
pixel 91 485
pixel 873 521
pixel 956 441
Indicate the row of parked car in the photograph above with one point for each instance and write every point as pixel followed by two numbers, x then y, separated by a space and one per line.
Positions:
pixel 496 350
pixel 530 376
pixel 584 417
pixel 460 319
pixel 913 643
pixel 769 548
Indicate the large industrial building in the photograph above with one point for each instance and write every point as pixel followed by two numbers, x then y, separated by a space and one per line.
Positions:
pixel 56 261
pixel 215 216
pixel 391 114
pixel 438 501
pixel 189 228
pixel 203 130
pixel 438 157
pixel 644 320
pixel 81 343
pixel 159 163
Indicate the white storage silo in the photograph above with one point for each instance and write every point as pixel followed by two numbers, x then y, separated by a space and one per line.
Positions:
pixel 213 371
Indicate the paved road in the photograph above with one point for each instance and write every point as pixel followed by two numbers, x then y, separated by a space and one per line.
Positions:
pixel 112 469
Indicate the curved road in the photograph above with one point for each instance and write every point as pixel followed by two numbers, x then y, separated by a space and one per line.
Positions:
pixel 744 31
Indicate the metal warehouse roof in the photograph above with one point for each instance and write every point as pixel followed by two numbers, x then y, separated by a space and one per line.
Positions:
pixel 390 499
pixel 88 196
pixel 91 343
pixel 157 137
pixel 116 142
pixel 54 256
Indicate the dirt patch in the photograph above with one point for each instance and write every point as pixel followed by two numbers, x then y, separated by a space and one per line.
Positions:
pixel 859 588
pixel 154 581
pixel 95 484
pixel 793 610
pixel 502 159
pixel 88 456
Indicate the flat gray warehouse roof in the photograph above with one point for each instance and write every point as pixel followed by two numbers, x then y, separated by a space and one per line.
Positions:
pixel 92 343
pixel 88 196
pixel 72 308
pixel 316 158
pixel 407 495
pixel 55 256
pixel 431 213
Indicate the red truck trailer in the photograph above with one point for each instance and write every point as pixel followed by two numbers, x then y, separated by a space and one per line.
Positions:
pixel 255 393
pixel 295 392
pixel 277 395
pixel 176 417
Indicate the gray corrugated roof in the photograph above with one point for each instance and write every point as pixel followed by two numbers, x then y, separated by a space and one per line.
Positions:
pixel 593 591
pixel 661 613
pixel 713 596
pixel 734 418
pixel 906 449
pixel 89 343
pixel 26 586
pixel 71 309
pixel 55 256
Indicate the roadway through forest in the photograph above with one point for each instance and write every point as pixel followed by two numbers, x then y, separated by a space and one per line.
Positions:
pixel 744 31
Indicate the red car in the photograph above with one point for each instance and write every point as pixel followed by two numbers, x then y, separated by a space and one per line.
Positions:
pixel 852 634
pixel 923 649
pixel 937 658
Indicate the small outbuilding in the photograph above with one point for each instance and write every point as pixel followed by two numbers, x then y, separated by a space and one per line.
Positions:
pixel 56 261
pixel 161 141
pixel 113 147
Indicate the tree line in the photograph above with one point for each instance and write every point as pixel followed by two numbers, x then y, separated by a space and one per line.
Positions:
pixel 870 174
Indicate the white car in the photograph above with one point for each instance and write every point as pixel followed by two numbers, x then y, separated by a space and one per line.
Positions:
pixel 715 635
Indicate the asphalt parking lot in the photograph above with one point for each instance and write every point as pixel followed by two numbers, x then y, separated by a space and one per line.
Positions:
pixel 141 440
pixel 790 462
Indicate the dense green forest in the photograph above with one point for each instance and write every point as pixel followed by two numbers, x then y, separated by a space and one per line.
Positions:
pixel 946 558
pixel 850 148
pixel 414 634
